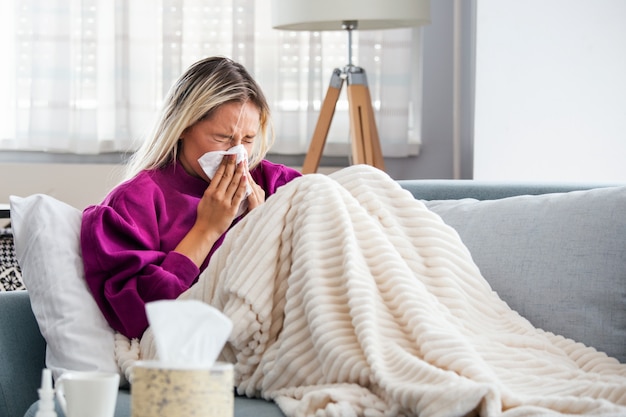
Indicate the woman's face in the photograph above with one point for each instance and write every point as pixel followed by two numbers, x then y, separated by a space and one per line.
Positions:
pixel 230 124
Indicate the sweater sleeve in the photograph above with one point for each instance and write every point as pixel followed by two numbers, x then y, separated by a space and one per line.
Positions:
pixel 125 264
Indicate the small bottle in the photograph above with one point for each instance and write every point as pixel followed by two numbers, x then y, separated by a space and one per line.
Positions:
pixel 46 396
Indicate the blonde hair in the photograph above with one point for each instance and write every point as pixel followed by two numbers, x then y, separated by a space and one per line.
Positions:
pixel 204 87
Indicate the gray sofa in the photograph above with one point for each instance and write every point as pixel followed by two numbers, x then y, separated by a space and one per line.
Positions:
pixel 555 252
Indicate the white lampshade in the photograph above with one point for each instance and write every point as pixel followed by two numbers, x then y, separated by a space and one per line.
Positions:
pixel 330 14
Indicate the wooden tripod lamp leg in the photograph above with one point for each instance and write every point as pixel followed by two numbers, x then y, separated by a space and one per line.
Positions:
pixel 316 147
pixel 366 147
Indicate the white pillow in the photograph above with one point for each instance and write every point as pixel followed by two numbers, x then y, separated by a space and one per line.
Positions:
pixel 47 246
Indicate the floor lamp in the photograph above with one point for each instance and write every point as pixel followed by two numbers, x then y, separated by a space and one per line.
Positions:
pixel 348 15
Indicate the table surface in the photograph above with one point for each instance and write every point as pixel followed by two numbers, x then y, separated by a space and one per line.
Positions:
pixel 5 211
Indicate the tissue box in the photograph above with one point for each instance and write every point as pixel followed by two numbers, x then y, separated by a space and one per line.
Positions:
pixel 161 391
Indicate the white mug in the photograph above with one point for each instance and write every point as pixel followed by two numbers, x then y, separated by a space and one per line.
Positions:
pixel 87 394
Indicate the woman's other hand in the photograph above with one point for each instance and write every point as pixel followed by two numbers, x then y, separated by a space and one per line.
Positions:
pixel 257 196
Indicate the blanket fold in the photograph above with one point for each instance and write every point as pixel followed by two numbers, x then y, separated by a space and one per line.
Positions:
pixel 349 297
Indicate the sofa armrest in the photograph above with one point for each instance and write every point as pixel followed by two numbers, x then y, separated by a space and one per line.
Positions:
pixel 22 354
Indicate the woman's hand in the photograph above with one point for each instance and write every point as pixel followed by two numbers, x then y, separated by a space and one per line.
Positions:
pixel 217 209
pixel 221 199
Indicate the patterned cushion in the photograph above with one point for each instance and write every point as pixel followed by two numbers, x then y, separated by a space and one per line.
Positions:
pixel 10 272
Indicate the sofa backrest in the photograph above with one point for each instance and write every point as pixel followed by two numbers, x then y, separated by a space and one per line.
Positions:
pixel 489 190
pixel 555 253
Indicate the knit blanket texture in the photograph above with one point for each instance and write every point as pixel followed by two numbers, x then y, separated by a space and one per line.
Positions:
pixel 350 298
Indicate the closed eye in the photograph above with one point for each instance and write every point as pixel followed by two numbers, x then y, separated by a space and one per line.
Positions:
pixel 223 138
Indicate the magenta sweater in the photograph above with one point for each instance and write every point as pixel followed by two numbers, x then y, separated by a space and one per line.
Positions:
pixel 127 241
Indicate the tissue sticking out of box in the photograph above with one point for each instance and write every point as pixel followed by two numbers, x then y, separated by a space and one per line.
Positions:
pixel 188 333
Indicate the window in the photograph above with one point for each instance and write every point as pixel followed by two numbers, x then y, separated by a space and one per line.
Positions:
pixel 88 77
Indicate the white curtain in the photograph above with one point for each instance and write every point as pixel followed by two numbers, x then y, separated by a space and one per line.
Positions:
pixel 87 76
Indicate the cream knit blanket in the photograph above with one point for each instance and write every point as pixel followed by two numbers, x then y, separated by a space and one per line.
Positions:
pixel 350 298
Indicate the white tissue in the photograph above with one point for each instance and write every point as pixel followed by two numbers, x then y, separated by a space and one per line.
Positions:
pixel 210 161
pixel 188 333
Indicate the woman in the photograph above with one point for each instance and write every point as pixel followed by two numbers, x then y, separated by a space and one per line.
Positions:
pixel 347 295
pixel 155 233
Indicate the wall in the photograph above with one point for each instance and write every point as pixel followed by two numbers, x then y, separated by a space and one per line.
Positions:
pixel 75 184
pixel 551 90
